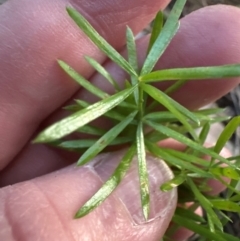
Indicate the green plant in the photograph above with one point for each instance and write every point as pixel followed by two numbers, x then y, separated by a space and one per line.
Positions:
pixel 134 108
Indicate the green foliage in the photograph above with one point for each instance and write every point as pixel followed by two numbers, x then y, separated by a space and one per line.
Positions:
pixel 137 122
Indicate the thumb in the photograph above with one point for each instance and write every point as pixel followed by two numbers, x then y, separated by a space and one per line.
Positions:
pixel 43 208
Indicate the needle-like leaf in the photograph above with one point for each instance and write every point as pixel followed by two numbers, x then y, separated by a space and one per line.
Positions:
pixel 225 205
pixel 164 38
pixel 206 204
pixel 199 229
pixel 109 185
pixel 175 182
pixel 143 172
pixel 112 114
pixel 179 111
pixel 132 58
pixel 82 117
pixel 93 130
pixel 198 73
pixel 82 81
pixel 101 70
pixel 188 142
pixel 187 157
pixel 99 41
pixel 227 133
pixel 156 29
pixel 161 153
pixel 86 143
pixel 105 140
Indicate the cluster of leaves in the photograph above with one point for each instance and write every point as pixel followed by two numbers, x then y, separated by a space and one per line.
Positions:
pixel 138 124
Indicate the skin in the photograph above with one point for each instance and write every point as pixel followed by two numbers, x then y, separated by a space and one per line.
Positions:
pixel 41 191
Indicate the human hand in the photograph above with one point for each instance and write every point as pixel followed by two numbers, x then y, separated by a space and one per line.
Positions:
pixel 33 89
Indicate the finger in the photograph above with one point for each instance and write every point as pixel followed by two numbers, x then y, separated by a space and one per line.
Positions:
pixel 33 38
pixel 201 26
pixel 50 202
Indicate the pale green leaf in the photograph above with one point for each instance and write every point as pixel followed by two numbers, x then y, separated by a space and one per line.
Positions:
pixel 173 160
pixel 207 205
pixel 164 38
pixel 175 182
pixel 188 142
pixel 176 86
pixel 187 157
pixel 99 41
pixel 82 81
pixel 109 186
pixel 101 70
pixel 143 172
pixel 82 117
pixel 225 71
pixel 225 205
pixel 105 140
pixel 156 29
pixel 93 130
pixel 179 111
pixel 86 143
pixel 132 58
pixel 227 133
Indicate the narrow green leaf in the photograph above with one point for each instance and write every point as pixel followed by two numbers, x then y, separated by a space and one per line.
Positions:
pixel 235 198
pixel 159 96
pixel 156 29
pixel 112 114
pixel 99 41
pixel 105 140
pixel 179 111
pixel 72 108
pixel 86 143
pixel 164 38
pixel 132 52
pixel 189 214
pixel 227 133
pixel 175 86
pixel 101 70
pixel 204 133
pixel 175 182
pixel 82 117
pixel 187 157
pixel 228 237
pixel 199 229
pixel 226 172
pixel 211 111
pixel 93 130
pixel 173 160
pixel 188 142
pixel 109 186
pixel 225 71
pixel 143 172
pixel 226 205
pixel 206 204
pixel 82 81
pixel 132 58
pixel 161 116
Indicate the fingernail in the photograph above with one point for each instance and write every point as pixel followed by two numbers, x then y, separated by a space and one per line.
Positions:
pixel 162 204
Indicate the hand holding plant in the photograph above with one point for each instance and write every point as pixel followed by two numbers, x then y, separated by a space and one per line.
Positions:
pixel 134 118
